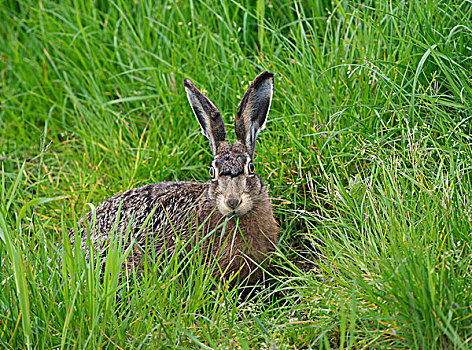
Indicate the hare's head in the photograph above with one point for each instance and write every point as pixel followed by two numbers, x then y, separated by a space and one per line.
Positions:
pixel 234 185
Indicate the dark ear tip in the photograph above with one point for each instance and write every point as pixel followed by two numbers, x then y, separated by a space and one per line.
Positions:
pixel 265 75
pixel 262 77
pixel 187 83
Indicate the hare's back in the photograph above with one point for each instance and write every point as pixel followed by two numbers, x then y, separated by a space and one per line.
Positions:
pixel 152 205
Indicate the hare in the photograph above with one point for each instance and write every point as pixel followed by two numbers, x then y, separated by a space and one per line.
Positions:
pixel 229 217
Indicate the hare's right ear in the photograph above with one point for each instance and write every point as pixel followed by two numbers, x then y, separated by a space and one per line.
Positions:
pixel 207 115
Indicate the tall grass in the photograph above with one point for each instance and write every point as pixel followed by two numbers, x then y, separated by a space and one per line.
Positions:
pixel 367 155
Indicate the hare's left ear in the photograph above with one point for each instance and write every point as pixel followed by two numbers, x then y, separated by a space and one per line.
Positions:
pixel 253 109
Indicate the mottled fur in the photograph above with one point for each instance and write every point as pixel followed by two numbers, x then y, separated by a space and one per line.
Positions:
pixel 229 217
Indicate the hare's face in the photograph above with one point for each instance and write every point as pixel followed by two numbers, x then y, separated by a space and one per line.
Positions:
pixel 234 186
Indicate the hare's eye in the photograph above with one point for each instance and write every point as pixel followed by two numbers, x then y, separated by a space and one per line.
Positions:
pixel 250 167
pixel 212 172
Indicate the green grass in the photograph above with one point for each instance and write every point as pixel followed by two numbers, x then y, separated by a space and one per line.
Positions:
pixel 367 155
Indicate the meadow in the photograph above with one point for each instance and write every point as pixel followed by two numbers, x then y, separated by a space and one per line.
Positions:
pixel 367 155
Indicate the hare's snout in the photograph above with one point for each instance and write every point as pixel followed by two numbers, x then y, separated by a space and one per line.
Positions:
pixel 234 205
pixel 233 202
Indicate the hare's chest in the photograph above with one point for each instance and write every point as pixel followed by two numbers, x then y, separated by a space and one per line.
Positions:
pixel 253 236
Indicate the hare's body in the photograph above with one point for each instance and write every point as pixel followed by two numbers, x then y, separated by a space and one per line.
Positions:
pixel 229 218
pixel 237 242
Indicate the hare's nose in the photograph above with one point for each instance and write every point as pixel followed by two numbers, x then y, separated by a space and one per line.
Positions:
pixel 233 203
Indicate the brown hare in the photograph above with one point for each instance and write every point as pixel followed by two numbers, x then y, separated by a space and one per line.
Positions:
pixel 229 217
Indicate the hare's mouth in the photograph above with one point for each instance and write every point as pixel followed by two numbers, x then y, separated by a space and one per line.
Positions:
pixel 231 214
pixel 235 213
